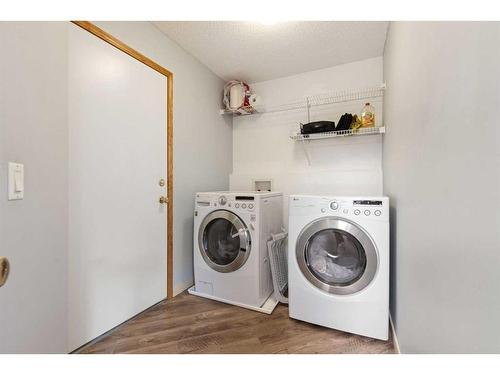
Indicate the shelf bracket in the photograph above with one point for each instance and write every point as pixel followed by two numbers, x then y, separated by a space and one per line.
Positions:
pixel 308 105
pixel 306 150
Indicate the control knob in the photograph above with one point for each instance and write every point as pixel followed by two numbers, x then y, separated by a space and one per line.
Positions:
pixel 334 205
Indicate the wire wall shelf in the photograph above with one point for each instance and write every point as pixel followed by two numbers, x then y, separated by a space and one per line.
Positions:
pixel 313 101
pixel 345 96
pixel 306 138
pixel 337 134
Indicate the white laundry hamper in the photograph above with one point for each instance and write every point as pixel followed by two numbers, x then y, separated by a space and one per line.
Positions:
pixel 277 248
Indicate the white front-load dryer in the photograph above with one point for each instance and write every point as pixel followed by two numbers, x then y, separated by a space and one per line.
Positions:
pixel 231 230
pixel 339 263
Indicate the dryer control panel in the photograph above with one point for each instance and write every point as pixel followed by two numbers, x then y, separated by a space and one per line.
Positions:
pixel 353 207
pixel 367 207
pixel 362 208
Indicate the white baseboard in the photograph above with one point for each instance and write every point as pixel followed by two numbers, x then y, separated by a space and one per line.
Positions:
pixel 178 289
pixel 394 337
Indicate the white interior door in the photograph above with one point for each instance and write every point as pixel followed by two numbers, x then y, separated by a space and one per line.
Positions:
pixel 117 155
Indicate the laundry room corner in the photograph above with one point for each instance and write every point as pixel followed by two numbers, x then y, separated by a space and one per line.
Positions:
pixel 262 148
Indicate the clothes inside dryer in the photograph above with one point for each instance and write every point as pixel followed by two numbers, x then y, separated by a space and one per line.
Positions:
pixel 222 242
pixel 335 257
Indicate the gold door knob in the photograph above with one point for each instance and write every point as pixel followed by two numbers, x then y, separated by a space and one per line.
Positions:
pixel 4 270
pixel 163 200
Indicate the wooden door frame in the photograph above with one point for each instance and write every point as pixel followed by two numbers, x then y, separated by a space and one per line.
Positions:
pixel 101 34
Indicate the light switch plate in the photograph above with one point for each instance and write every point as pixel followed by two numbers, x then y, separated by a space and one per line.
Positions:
pixel 16 181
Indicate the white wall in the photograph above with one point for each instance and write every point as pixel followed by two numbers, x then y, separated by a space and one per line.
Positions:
pixel 442 173
pixel 202 138
pixel 33 231
pixel 33 120
pixel 262 147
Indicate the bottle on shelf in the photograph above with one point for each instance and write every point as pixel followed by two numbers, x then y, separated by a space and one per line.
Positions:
pixel 368 116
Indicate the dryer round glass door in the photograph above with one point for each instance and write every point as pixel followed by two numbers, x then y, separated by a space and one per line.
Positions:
pixel 224 241
pixel 336 255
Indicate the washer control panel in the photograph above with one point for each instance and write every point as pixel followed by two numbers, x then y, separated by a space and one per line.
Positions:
pixel 236 203
pixel 242 206
pixel 243 203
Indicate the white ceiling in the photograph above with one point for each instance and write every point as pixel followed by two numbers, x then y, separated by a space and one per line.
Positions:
pixel 255 52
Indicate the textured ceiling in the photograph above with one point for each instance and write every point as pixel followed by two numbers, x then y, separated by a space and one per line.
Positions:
pixel 255 52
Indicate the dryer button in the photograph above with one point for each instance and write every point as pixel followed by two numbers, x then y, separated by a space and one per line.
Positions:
pixel 378 213
pixel 357 212
pixel 237 205
pixel 367 212
pixel 243 205
pixel 250 206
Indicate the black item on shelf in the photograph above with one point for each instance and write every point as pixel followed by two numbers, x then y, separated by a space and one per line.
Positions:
pixel 344 122
pixel 317 127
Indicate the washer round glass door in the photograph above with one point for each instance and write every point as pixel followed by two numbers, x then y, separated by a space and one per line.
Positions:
pixel 336 255
pixel 224 241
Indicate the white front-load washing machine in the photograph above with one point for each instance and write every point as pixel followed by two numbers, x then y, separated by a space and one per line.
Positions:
pixel 339 263
pixel 231 230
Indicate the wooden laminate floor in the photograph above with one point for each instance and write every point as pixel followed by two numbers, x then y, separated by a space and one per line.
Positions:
pixel 190 324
